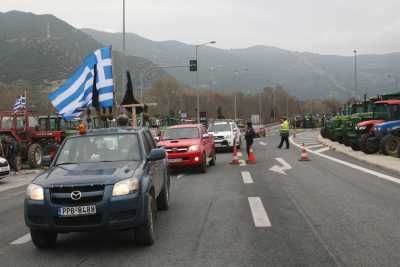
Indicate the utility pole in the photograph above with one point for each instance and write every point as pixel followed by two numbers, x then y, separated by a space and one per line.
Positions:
pixel 260 107
pixel 235 105
pixel 355 75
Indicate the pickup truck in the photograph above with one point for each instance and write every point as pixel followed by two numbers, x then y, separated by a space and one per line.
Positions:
pixel 188 146
pixel 105 179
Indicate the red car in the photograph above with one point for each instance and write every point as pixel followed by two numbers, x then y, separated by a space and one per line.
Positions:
pixel 189 145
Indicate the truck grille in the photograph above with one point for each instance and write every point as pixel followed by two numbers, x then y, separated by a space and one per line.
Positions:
pixel 90 194
pixel 177 149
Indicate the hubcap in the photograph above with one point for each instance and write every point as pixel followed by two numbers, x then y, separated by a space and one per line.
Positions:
pixel 38 157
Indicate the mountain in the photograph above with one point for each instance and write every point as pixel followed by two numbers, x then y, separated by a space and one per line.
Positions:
pixel 306 75
pixel 41 49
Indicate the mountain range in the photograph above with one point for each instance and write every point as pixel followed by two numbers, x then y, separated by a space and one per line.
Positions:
pixel 42 49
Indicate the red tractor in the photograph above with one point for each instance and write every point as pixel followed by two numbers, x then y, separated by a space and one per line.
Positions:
pixel 22 128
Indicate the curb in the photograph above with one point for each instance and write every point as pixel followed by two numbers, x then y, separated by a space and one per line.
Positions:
pixel 368 161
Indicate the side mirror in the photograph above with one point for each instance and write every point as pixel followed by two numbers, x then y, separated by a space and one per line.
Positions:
pixel 46 161
pixel 156 154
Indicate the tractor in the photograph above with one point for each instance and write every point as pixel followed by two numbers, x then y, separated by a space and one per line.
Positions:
pixel 23 129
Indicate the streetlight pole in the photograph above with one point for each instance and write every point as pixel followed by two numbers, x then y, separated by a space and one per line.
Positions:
pixel 197 78
pixel 355 74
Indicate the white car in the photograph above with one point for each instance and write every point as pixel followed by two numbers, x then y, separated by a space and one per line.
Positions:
pixel 4 168
pixel 226 134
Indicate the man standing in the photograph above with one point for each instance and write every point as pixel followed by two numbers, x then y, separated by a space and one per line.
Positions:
pixel 249 136
pixel 284 131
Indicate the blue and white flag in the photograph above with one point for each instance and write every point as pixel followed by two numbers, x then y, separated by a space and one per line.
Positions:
pixel 76 94
pixel 20 103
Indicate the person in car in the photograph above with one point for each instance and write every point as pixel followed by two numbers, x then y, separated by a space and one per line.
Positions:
pixel 249 137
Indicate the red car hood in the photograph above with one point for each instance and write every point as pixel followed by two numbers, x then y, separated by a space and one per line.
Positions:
pixel 179 143
pixel 370 122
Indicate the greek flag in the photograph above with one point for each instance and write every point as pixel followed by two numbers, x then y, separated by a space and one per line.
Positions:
pixel 20 103
pixel 76 94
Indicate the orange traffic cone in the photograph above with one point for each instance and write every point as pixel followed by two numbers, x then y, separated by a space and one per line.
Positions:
pixel 304 154
pixel 251 158
pixel 235 160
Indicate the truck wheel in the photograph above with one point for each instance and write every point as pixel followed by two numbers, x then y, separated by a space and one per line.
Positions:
pixel 389 145
pixel 371 147
pixel 35 155
pixel 203 166
pixel 163 197
pixel 214 159
pixel 355 147
pixel 43 239
pixel 144 235
pixel 363 141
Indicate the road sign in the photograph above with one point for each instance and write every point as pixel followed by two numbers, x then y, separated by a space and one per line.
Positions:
pixel 193 65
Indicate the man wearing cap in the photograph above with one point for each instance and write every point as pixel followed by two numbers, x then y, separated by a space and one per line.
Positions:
pixel 249 136
pixel 284 131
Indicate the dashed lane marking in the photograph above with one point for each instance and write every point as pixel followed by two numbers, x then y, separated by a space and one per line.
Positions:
pixel 247 179
pixel 242 162
pixel 22 240
pixel 322 150
pixel 260 216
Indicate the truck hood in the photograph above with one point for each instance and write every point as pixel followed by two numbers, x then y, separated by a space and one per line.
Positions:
pixel 388 125
pixel 87 173
pixel 370 122
pixel 179 143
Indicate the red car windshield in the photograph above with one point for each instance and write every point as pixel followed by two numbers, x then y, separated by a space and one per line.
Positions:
pixel 181 133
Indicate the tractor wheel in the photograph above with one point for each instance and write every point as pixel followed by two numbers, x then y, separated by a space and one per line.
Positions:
pixel 389 145
pixel 370 147
pixel 355 146
pixel 35 155
pixel 340 139
pixel 323 132
pixel 346 141
pixel 363 141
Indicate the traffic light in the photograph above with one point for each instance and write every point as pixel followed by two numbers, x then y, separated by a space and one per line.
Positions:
pixel 193 65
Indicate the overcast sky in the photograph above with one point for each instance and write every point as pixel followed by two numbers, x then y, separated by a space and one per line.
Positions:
pixel 322 26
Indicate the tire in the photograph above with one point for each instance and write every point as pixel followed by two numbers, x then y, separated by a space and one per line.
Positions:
pixel 203 166
pixel 43 239
pixel 363 142
pixel 346 141
pixel 214 159
pixel 389 145
pixel 340 140
pixel 163 197
pixel 35 156
pixel 355 147
pixel 144 235
pixel 370 147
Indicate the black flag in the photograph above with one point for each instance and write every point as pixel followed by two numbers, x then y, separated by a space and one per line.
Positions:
pixel 129 97
pixel 95 92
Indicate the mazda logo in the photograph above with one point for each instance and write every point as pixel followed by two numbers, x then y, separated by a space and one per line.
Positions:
pixel 76 195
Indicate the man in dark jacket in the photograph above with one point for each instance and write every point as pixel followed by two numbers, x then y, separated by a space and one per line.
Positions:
pixel 249 136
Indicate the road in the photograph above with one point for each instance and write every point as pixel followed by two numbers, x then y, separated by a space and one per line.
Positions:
pixel 315 213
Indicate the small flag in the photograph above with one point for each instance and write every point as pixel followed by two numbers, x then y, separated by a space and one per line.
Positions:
pixel 76 94
pixel 129 97
pixel 20 103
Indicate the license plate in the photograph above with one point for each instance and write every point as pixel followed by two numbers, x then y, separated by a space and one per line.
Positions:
pixel 174 160
pixel 77 211
pixel 4 169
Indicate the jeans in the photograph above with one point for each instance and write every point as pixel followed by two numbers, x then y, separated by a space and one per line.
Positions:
pixel 284 138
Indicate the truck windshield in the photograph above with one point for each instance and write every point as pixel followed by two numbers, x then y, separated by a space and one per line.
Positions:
pixel 6 122
pixel 100 148
pixel 223 127
pixel 181 133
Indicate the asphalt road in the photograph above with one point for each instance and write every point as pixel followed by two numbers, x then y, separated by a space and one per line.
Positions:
pixel 316 213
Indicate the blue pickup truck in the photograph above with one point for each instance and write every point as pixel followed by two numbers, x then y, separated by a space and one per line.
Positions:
pixel 106 179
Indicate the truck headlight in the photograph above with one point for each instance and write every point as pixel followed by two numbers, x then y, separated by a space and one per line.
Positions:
pixel 125 187
pixel 194 148
pixel 34 192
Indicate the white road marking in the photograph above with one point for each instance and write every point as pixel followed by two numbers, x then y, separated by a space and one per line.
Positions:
pixel 281 169
pixel 263 143
pixel 22 240
pixel 315 146
pixel 247 179
pixel 351 165
pixel 242 162
pixel 260 216
pixel 322 150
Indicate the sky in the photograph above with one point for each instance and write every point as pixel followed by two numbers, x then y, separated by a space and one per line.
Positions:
pixel 319 26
